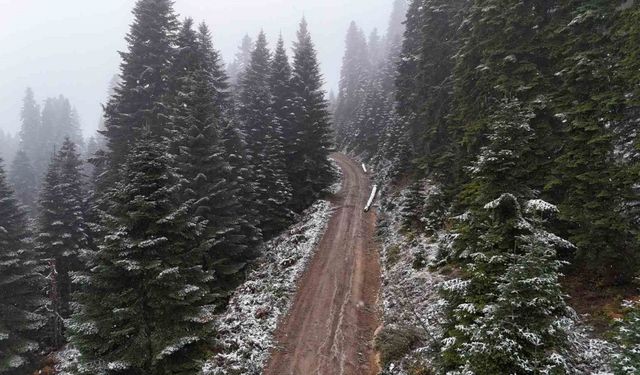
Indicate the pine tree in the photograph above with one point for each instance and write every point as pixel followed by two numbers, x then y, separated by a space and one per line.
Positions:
pixel 505 315
pixel 59 121
pixel 21 295
pixel 248 236
pixel 31 137
pixel 217 75
pixel 137 104
pixel 199 156
pixel 24 180
pixel 264 142
pixel 282 94
pixel 9 146
pixel 626 41
pixel 311 170
pixel 412 206
pixel 627 335
pixel 145 305
pixel 62 236
pixel 590 184
pixel 242 59
pixel 353 78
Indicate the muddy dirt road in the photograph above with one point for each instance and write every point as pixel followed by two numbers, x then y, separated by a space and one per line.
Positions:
pixel 329 329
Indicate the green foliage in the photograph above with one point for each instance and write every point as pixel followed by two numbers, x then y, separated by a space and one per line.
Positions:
pixel 311 171
pixel 62 234
pixel 21 293
pixel 137 103
pixel 208 181
pixel 627 330
pixel 589 183
pixel 264 140
pixel 145 305
pixel 24 180
pixel 505 315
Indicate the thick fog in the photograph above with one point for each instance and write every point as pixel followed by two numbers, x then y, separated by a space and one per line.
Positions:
pixel 69 47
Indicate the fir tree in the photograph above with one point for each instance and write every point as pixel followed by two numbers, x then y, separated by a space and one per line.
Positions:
pixel 311 170
pixel 199 156
pixel 217 75
pixel 31 140
pixel 412 206
pixel 282 94
pixel 264 142
pixel 9 145
pixel 137 103
pixel 353 78
pixel 24 180
pixel 242 59
pixel 145 305
pixel 627 335
pixel 590 185
pixel 22 293
pixel 248 236
pixel 62 236
pixel 505 315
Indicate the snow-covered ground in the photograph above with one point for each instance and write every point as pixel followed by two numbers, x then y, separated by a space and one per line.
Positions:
pixel 409 294
pixel 246 328
pixel 413 307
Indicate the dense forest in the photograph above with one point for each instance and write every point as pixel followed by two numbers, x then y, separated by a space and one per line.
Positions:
pixel 513 127
pixel 130 258
pixel 503 135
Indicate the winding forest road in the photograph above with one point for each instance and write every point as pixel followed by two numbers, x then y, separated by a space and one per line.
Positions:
pixel 330 326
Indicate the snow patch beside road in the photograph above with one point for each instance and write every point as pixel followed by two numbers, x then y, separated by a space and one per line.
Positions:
pixel 245 330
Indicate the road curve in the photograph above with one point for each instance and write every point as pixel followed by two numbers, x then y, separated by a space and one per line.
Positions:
pixel 330 326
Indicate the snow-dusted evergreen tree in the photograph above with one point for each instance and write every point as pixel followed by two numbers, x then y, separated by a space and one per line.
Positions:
pixel 145 305
pixel 282 100
pixel 59 121
pixel 236 69
pixel 24 180
pixel 22 297
pixel 505 314
pixel 217 74
pixel 372 128
pixel 591 185
pixel 412 206
pixel 248 237
pixel 62 236
pixel 627 41
pixel 264 142
pixel 31 140
pixel 200 159
pixel 9 146
pixel 137 103
pixel 353 78
pixel 311 170
pixel 627 335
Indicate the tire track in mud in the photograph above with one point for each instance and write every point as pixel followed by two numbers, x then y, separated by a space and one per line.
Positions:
pixel 330 326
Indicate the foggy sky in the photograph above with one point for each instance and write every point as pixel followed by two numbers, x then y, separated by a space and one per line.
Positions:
pixel 70 47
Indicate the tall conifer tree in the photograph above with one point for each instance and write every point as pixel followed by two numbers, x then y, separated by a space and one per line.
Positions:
pixel 21 295
pixel 137 103
pixel 145 305
pixel 264 142
pixel 24 180
pixel 311 171
pixel 62 235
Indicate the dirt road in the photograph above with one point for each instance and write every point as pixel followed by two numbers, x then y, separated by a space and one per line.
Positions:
pixel 329 329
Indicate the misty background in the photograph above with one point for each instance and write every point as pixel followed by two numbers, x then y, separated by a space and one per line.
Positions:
pixel 69 47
